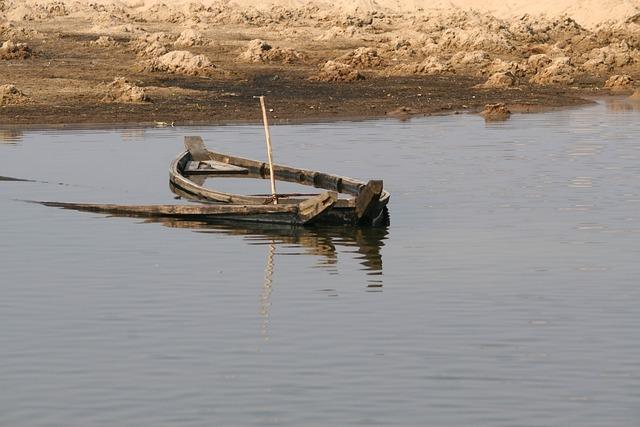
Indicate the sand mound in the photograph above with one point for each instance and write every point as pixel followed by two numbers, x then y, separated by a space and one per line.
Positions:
pixel 11 95
pixel 559 72
pixel 500 66
pixel 429 66
pixel 333 71
pixel 12 50
pixel 104 41
pixel 149 49
pixel 500 80
pixel 495 112
pixel 473 38
pixel 261 51
pixel 362 57
pixel 121 91
pixel 181 62
pixel 9 31
pixel 32 11
pixel 537 63
pixel 473 59
pixel 612 56
pixel 189 38
pixel 619 82
pixel 335 32
pixel 150 45
pixel 400 48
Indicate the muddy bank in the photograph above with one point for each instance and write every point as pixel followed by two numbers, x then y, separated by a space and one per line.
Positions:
pixel 105 62
pixel 291 96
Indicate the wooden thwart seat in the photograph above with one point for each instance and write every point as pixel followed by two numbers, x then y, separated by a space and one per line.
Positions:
pixel 204 167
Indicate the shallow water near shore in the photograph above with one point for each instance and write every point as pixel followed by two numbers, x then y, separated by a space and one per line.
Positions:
pixel 504 292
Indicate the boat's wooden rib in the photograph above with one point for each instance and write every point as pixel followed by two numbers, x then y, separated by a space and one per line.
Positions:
pixel 299 214
pixel 365 205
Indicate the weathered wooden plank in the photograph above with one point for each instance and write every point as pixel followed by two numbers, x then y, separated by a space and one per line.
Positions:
pixel 175 210
pixel 8 178
pixel 313 207
pixel 368 197
pixel 195 146
pixel 213 167
pixel 299 213
pixel 329 182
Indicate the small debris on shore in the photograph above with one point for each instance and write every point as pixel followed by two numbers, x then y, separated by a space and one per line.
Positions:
pixel 635 96
pixel 11 95
pixel 122 91
pixel 495 112
pixel 13 50
pixel 402 113
pixel 104 41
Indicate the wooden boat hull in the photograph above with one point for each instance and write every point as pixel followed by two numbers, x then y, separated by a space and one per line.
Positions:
pixel 366 204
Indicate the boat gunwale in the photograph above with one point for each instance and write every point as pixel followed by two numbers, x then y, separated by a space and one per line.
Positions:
pixel 353 187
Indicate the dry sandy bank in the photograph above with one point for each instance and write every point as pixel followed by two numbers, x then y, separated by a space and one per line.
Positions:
pixel 108 61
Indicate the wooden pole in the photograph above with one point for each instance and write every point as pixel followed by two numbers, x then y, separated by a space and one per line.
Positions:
pixel 269 154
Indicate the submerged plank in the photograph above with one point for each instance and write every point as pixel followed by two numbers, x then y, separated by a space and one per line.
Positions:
pixel 174 210
pixel 301 213
pixel 8 178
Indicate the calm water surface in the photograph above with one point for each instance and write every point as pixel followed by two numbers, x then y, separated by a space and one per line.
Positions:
pixel 505 292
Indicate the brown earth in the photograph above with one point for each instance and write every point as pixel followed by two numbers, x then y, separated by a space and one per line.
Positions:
pixel 72 61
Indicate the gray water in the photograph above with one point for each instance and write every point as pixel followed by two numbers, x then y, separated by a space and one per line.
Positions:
pixel 505 292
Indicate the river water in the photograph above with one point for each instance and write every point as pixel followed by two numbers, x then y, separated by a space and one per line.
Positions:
pixel 505 291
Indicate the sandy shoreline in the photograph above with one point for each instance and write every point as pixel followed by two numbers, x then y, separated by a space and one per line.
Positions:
pixel 107 62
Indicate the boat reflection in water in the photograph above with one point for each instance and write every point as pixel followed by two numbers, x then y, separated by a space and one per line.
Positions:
pixel 323 242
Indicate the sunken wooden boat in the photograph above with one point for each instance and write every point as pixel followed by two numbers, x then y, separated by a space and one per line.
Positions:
pixel 362 203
